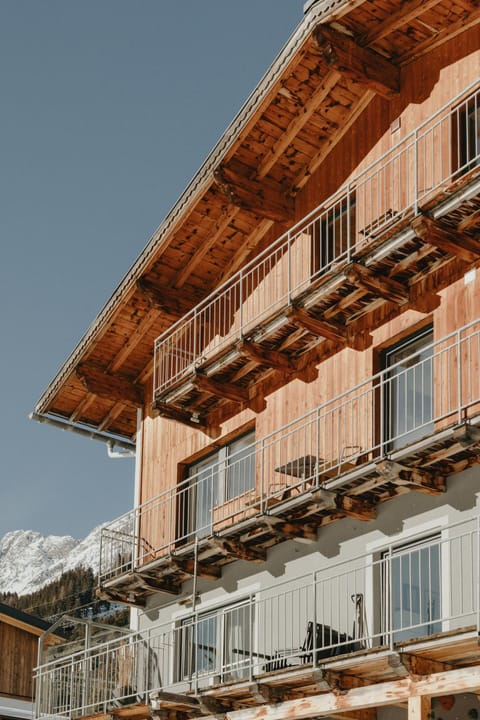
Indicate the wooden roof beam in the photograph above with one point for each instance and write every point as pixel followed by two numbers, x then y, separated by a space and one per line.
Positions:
pixel 298 122
pixel 360 64
pixel 218 231
pixel 112 387
pixel 450 241
pixel 388 289
pixel 245 249
pixel 265 198
pixel 408 11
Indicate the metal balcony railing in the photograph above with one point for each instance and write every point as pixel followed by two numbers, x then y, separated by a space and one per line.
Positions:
pixel 422 587
pixel 415 398
pixel 439 150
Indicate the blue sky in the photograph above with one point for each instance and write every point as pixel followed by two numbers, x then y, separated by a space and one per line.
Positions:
pixel 108 108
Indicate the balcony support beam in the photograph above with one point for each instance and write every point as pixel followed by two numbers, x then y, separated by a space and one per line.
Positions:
pixel 327 329
pixel 418 667
pixel 289 530
pixel 265 198
pixel 239 550
pixel 112 387
pixel 265 694
pixel 360 64
pixel 270 358
pixel 148 583
pixel 381 694
pixel 187 566
pixel 343 504
pixel 388 289
pixel 229 391
pixel 435 233
pixel 413 478
pixel 187 418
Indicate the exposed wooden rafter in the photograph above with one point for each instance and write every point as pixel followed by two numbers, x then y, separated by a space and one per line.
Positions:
pixel 327 146
pixel 303 116
pixel 265 198
pixel 112 387
pixel 407 12
pixel 187 418
pixel 289 530
pixel 246 248
pixel 188 566
pixel 448 33
pixel 361 64
pixel 218 230
pixel 344 504
pixel 456 243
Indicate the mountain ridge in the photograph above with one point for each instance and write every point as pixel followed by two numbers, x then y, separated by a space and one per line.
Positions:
pixel 30 560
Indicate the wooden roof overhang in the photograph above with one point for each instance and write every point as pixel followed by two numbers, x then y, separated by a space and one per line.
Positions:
pixel 343 53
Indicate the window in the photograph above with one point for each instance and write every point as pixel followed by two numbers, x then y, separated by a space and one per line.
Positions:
pixel 223 475
pixel 333 234
pixel 411 590
pixel 466 133
pixel 216 643
pixel 408 390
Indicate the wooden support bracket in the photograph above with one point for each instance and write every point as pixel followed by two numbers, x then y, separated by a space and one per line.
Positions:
pixel 418 667
pixel 229 391
pixel 467 436
pixel 112 387
pixel 265 693
pixel 361 64
pixel 344 504
pixel 151 585
pixel 187 565
pixel 265 198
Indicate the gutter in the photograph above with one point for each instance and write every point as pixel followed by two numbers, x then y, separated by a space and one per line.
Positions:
pixel 111 440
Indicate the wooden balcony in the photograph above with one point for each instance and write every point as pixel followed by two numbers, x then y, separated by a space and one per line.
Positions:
pixel 407 614
pixel 405 429
pixel 405 225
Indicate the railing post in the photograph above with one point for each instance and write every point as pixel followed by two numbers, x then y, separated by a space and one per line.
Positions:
pixel 390 598
pixel 349 243
pixel 100 562
pixel 478 574
pixel 262 476
pixel 314 593
pixel 195 655
pixel 195 339
pixel 459 377
pixel 240 280
pixel 289 268
pixel 415 172
pixel 251 638
pixel 382 419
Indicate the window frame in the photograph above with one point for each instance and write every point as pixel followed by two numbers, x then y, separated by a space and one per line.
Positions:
pixel 392 438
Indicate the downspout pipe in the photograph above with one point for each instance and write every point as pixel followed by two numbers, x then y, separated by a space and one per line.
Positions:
pixel 92 434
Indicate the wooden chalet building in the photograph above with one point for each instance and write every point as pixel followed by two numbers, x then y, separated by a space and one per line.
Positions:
pixel 19 635
pixel 296 358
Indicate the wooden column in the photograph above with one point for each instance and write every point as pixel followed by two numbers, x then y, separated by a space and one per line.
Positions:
pixel 419 707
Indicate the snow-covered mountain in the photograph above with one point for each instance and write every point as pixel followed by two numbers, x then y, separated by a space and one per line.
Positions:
pixel 29 560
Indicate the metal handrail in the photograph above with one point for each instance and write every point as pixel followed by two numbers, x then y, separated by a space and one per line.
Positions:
pixel 425 586
pixel 347 429
pixel 383 192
